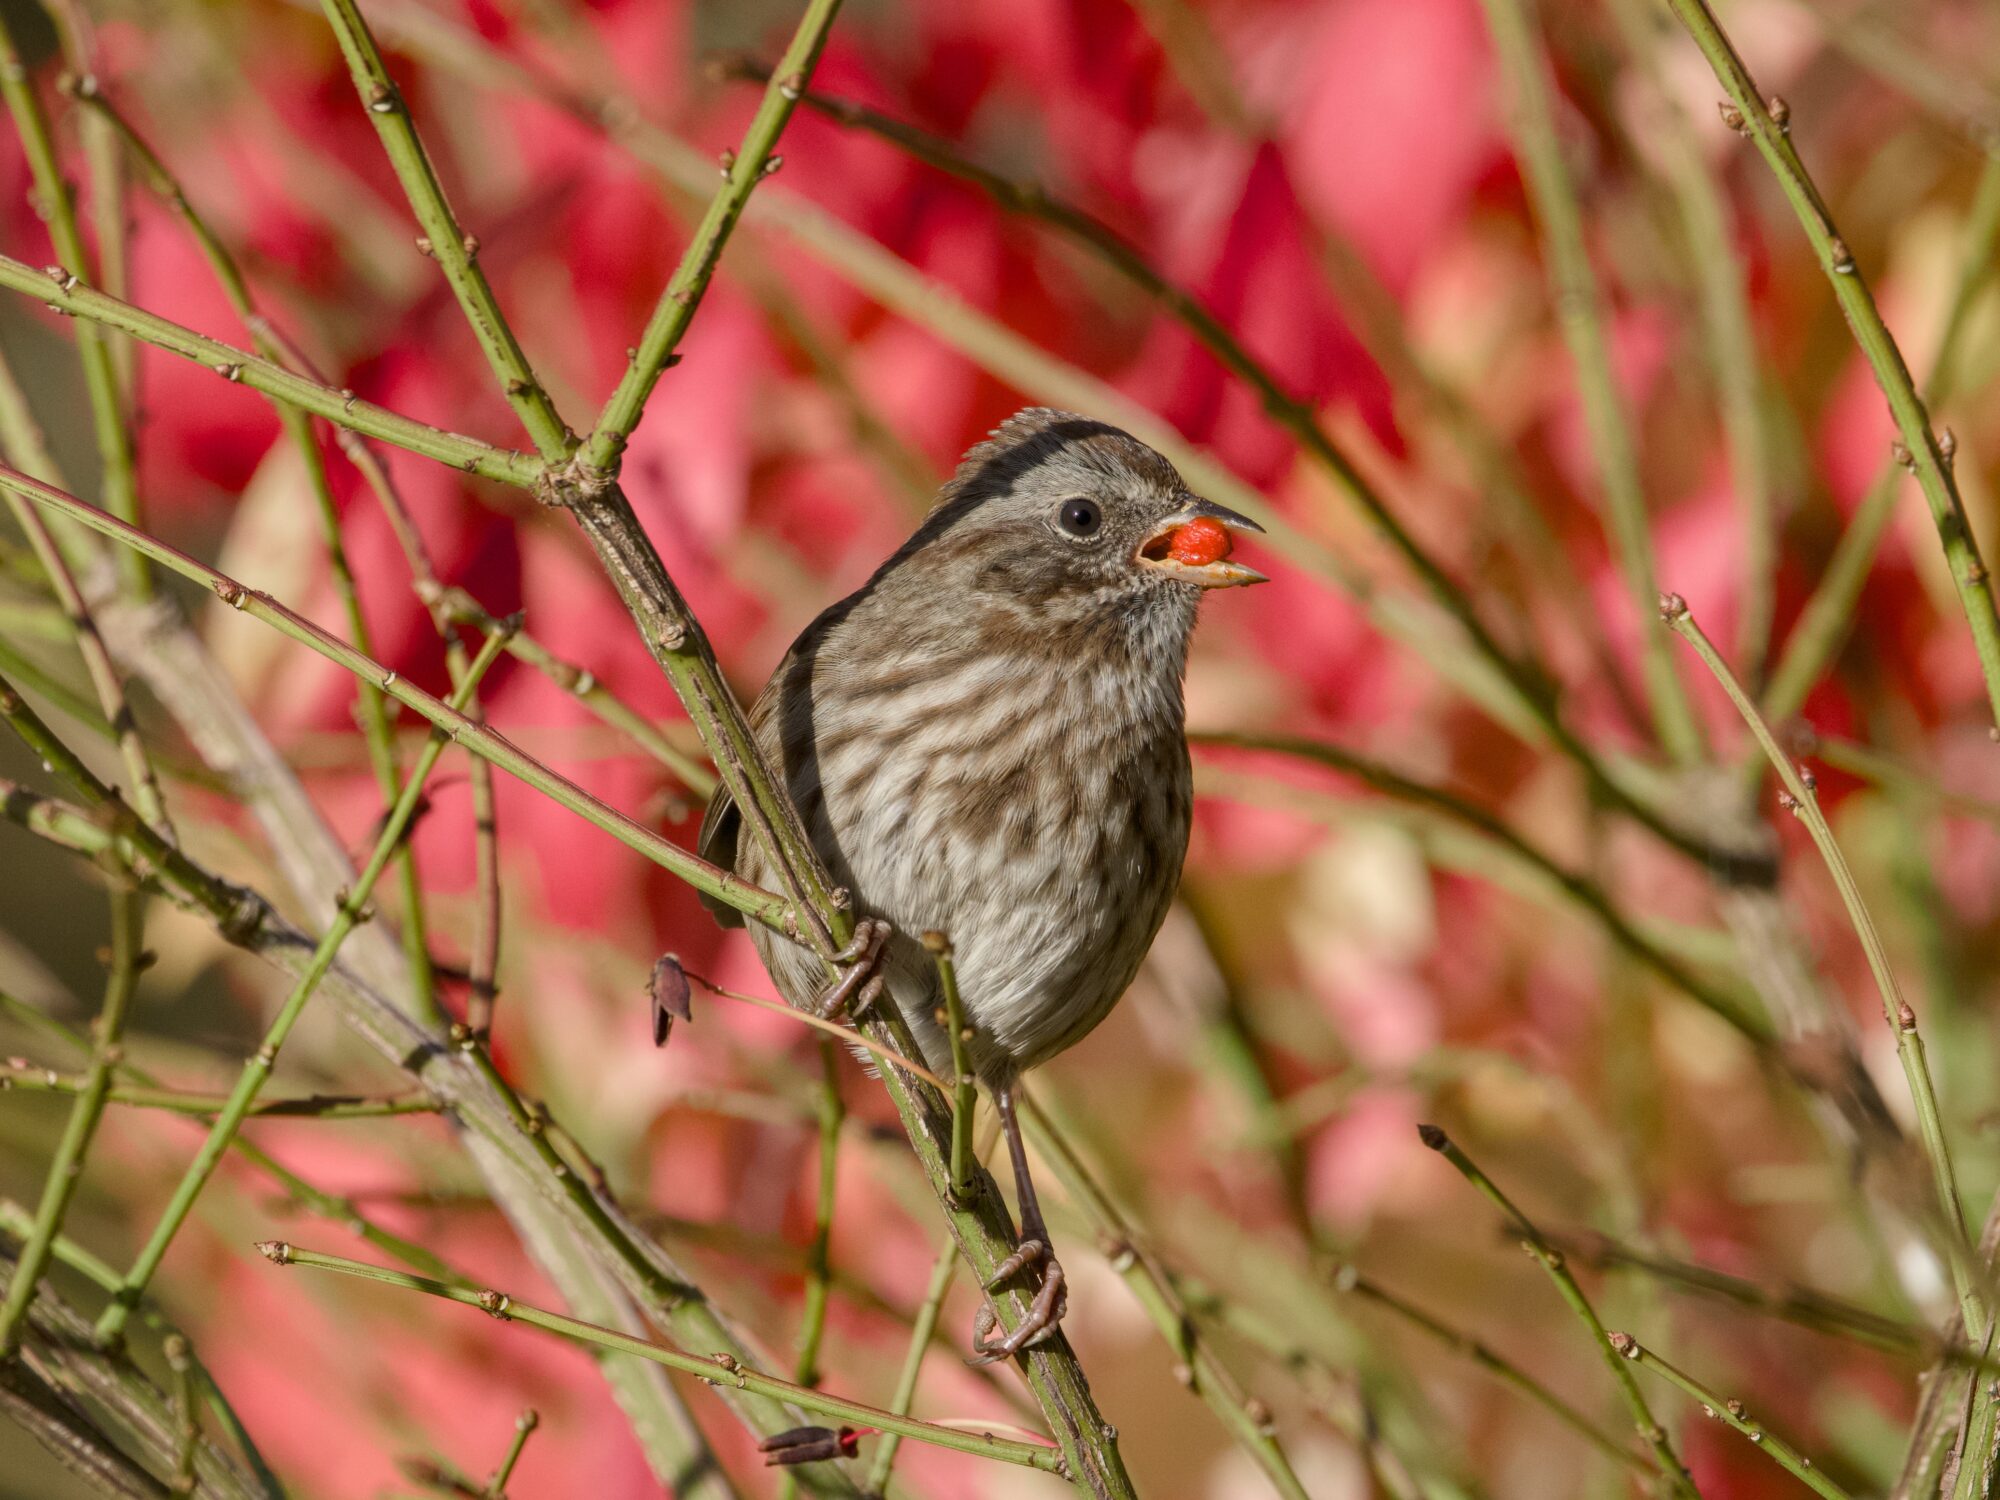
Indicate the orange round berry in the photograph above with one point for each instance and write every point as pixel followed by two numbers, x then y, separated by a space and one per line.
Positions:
pixel 1198 543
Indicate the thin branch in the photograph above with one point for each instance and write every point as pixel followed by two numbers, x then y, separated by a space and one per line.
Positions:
pixel 819 1265
pixel 965 1083
pixel 583 685
pixel 1732 1412
pixel 1348 1279
pixel 1551 1260
pixel 57 204
pixel 719 1370
pixel 64 293
pixel 25 1078
pixel 1579 889
pixel 1803 799
pixel 456 252
pixel 1742 394
pixel 86 1111
pixel 922 1327
pixel 1930 454
pixel 140 777
pixel 1579 304
pixel 524 1426
pixel 752 160
pixel 111 1324
pixel 1800 1306
pixel 1828 615
pixel 1247 1419
pixel 760 905
pixel 264 338
pixel 187 1421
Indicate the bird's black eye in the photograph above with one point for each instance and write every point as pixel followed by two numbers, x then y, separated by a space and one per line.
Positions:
pixel 1080 517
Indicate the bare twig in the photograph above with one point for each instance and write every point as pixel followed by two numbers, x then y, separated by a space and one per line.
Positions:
pixel 111 1324
pixel 1803 799
pixel 86 1109
pixel 1929 455
pixel 1732 1412
pixel 719 1370
pixel 1551 1260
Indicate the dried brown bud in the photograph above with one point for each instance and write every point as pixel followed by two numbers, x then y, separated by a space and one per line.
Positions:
pixel 1731 115
pixel 810 1445
pixel 1736 1408
pixel 1433 1137
pixel 1900 452
pixel 667 987
pixel 277 1252
pixel 1673 607
pixel 1837 254
pixel 1947 446
pixel 1781 113
pixel 1625 1344
pixel 1906 1018
pixel 495 1304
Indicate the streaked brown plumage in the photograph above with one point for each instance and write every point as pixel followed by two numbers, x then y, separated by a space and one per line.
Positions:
pixel 987 740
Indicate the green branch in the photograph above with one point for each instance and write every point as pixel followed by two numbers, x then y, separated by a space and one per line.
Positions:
pixel 1930 455
pixel 1579 308
pixel 1802 798
pixel 1552 1261
pixel 717 1370
pixel 760 905
pixel 455 251
pixel 751 162
pixel 1732 1412
pixel 54 196
pixel 86 1111
pixel 111 1324
pixel 59 290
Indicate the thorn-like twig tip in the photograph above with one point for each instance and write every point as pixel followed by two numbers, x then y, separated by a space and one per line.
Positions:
pixel 1433 1137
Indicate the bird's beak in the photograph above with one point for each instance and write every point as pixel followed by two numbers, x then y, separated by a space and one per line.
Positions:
pixel 1158 550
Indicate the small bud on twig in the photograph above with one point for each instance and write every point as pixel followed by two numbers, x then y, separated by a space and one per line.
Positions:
pixel 1837 254
pixel 1731 115
pixel 1900 452
pixel 810 1445
pixel 1906 1018
pixel 1673 607
pixel 1947 446
pixel 1625 1344
pixel 1781 114
pixel 277 1252
pixel 1433 1137
pixel 667 988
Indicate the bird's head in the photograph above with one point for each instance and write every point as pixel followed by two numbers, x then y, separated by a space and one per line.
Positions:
pixel 1068 517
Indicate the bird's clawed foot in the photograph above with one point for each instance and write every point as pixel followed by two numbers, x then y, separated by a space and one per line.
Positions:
pixel 861 979
pixel 1046 1312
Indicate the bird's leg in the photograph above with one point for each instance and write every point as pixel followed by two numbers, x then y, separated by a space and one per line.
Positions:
pixel 1032 1250
pixel 860 965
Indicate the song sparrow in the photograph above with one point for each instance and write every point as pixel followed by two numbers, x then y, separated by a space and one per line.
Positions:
pixel 987 740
